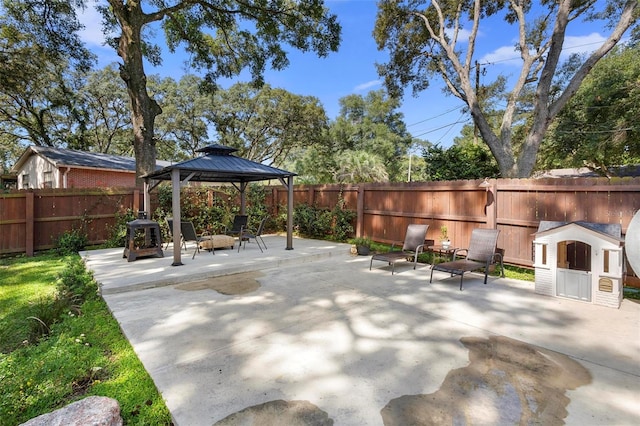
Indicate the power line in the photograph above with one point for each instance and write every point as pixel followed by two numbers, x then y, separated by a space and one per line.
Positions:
pixel 436 116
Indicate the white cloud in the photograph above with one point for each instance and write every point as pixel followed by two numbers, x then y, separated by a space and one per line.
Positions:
pixel 582 44
pixel 367 85
pixel 572 44
pixel 92 21
pixel 463 35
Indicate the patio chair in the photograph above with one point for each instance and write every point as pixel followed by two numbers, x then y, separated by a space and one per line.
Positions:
pixel 412 247
pixel 239 222
pixel 189 234
pixel 169 221
pixel 482 253
pixel 247 234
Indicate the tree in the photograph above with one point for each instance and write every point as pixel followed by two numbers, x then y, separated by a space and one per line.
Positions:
pixel 461 161
pixel 222 37
pixel 360 166
pixel 42 65
pixel 266 124
pixel 599 127
pixel 373 124
pixel 423 37
pixel 183 124
pixel 105 103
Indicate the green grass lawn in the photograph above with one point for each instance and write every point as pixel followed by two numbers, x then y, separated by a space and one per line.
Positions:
pixel 84 353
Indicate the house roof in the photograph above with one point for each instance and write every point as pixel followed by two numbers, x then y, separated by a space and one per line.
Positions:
pixel 218 164
pixel 610 231
pixel 60 157
pixel 617 171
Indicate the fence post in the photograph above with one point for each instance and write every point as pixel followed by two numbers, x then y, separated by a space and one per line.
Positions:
pixel 311 196
pixel 491 206
pixel 28 223
pixel 136 201
pixel 360 212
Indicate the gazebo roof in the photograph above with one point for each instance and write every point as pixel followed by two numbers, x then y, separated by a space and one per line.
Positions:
pixel 218 164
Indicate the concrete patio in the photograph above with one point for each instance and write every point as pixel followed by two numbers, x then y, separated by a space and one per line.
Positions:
pixel 364 345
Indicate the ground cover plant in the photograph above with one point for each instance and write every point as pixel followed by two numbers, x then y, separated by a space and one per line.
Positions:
pixel 59 343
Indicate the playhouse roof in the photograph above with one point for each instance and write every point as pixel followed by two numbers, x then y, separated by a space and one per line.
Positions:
pixel 609 231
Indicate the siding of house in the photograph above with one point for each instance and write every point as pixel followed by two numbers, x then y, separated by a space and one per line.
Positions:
pixel 36 167
pixel 94 178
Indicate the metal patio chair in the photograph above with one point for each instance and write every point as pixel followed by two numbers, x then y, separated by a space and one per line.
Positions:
pixel 189 234
pixel 247 234
pixel 239 222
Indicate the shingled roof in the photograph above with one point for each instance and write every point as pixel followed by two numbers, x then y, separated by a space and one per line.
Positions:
pixel 218 164
pixel 60 157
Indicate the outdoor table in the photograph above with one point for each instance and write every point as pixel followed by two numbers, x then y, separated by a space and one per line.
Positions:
pixel 440 249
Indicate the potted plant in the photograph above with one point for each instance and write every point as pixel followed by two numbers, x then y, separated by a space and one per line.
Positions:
pixel 444 237
pixel 362 244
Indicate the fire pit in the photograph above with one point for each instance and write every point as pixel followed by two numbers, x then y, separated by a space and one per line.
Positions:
pixel 143 239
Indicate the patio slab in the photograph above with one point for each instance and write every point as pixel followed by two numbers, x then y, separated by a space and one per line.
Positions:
pixel 361 344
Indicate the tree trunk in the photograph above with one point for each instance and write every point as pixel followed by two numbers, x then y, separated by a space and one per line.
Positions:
pixel 144 109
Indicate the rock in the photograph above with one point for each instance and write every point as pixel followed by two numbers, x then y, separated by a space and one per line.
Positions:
pixel 91 411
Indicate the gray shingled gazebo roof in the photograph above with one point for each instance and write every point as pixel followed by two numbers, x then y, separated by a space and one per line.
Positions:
pixel 218 164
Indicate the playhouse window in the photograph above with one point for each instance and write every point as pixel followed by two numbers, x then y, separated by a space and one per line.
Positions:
pixel 574 255
pixel 543 254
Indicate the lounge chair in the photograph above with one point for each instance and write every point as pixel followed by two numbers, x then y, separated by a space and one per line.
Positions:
pixel 482 253
pixel 189 234
pixel 247 234
pixel 412 247
pixel 239 222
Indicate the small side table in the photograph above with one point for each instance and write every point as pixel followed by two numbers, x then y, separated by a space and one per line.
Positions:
pixel 439 249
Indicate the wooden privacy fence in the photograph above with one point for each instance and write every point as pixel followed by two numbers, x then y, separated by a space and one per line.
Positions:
pixel 514 206
pixel 31 220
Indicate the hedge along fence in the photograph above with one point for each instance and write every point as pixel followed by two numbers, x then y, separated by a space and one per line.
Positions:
pixel 31 220
pixel 514 206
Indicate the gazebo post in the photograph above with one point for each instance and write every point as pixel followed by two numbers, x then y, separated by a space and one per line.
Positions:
pixel 290 213
pixel 175 207
pixel 146 199
pixel 243 198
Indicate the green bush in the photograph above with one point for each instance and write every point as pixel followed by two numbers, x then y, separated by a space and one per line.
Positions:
pixel 71 242
pixel 118 233
pixel 75 283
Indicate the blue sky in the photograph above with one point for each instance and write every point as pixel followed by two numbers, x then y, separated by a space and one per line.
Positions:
pixel 431 116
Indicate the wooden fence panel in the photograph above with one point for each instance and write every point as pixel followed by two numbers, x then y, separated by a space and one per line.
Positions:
pixel 13 222
pixel 514 206
pixel 33 220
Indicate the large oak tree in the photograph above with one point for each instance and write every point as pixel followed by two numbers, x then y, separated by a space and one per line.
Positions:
pixel 424 40
pixel 224 37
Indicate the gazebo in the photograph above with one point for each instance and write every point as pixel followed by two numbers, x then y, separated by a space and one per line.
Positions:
pixel 218 164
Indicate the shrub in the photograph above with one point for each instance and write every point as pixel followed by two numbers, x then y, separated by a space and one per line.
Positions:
pixel 71 242
pixel 118 233
pixel 75 284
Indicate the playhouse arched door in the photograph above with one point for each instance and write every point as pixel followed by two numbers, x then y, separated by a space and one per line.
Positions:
pixel 573 273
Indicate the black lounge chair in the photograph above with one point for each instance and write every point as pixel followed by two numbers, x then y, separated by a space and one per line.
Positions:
pixel 482 253
pixel 169 221
pixel 412 247
pixel 247 234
